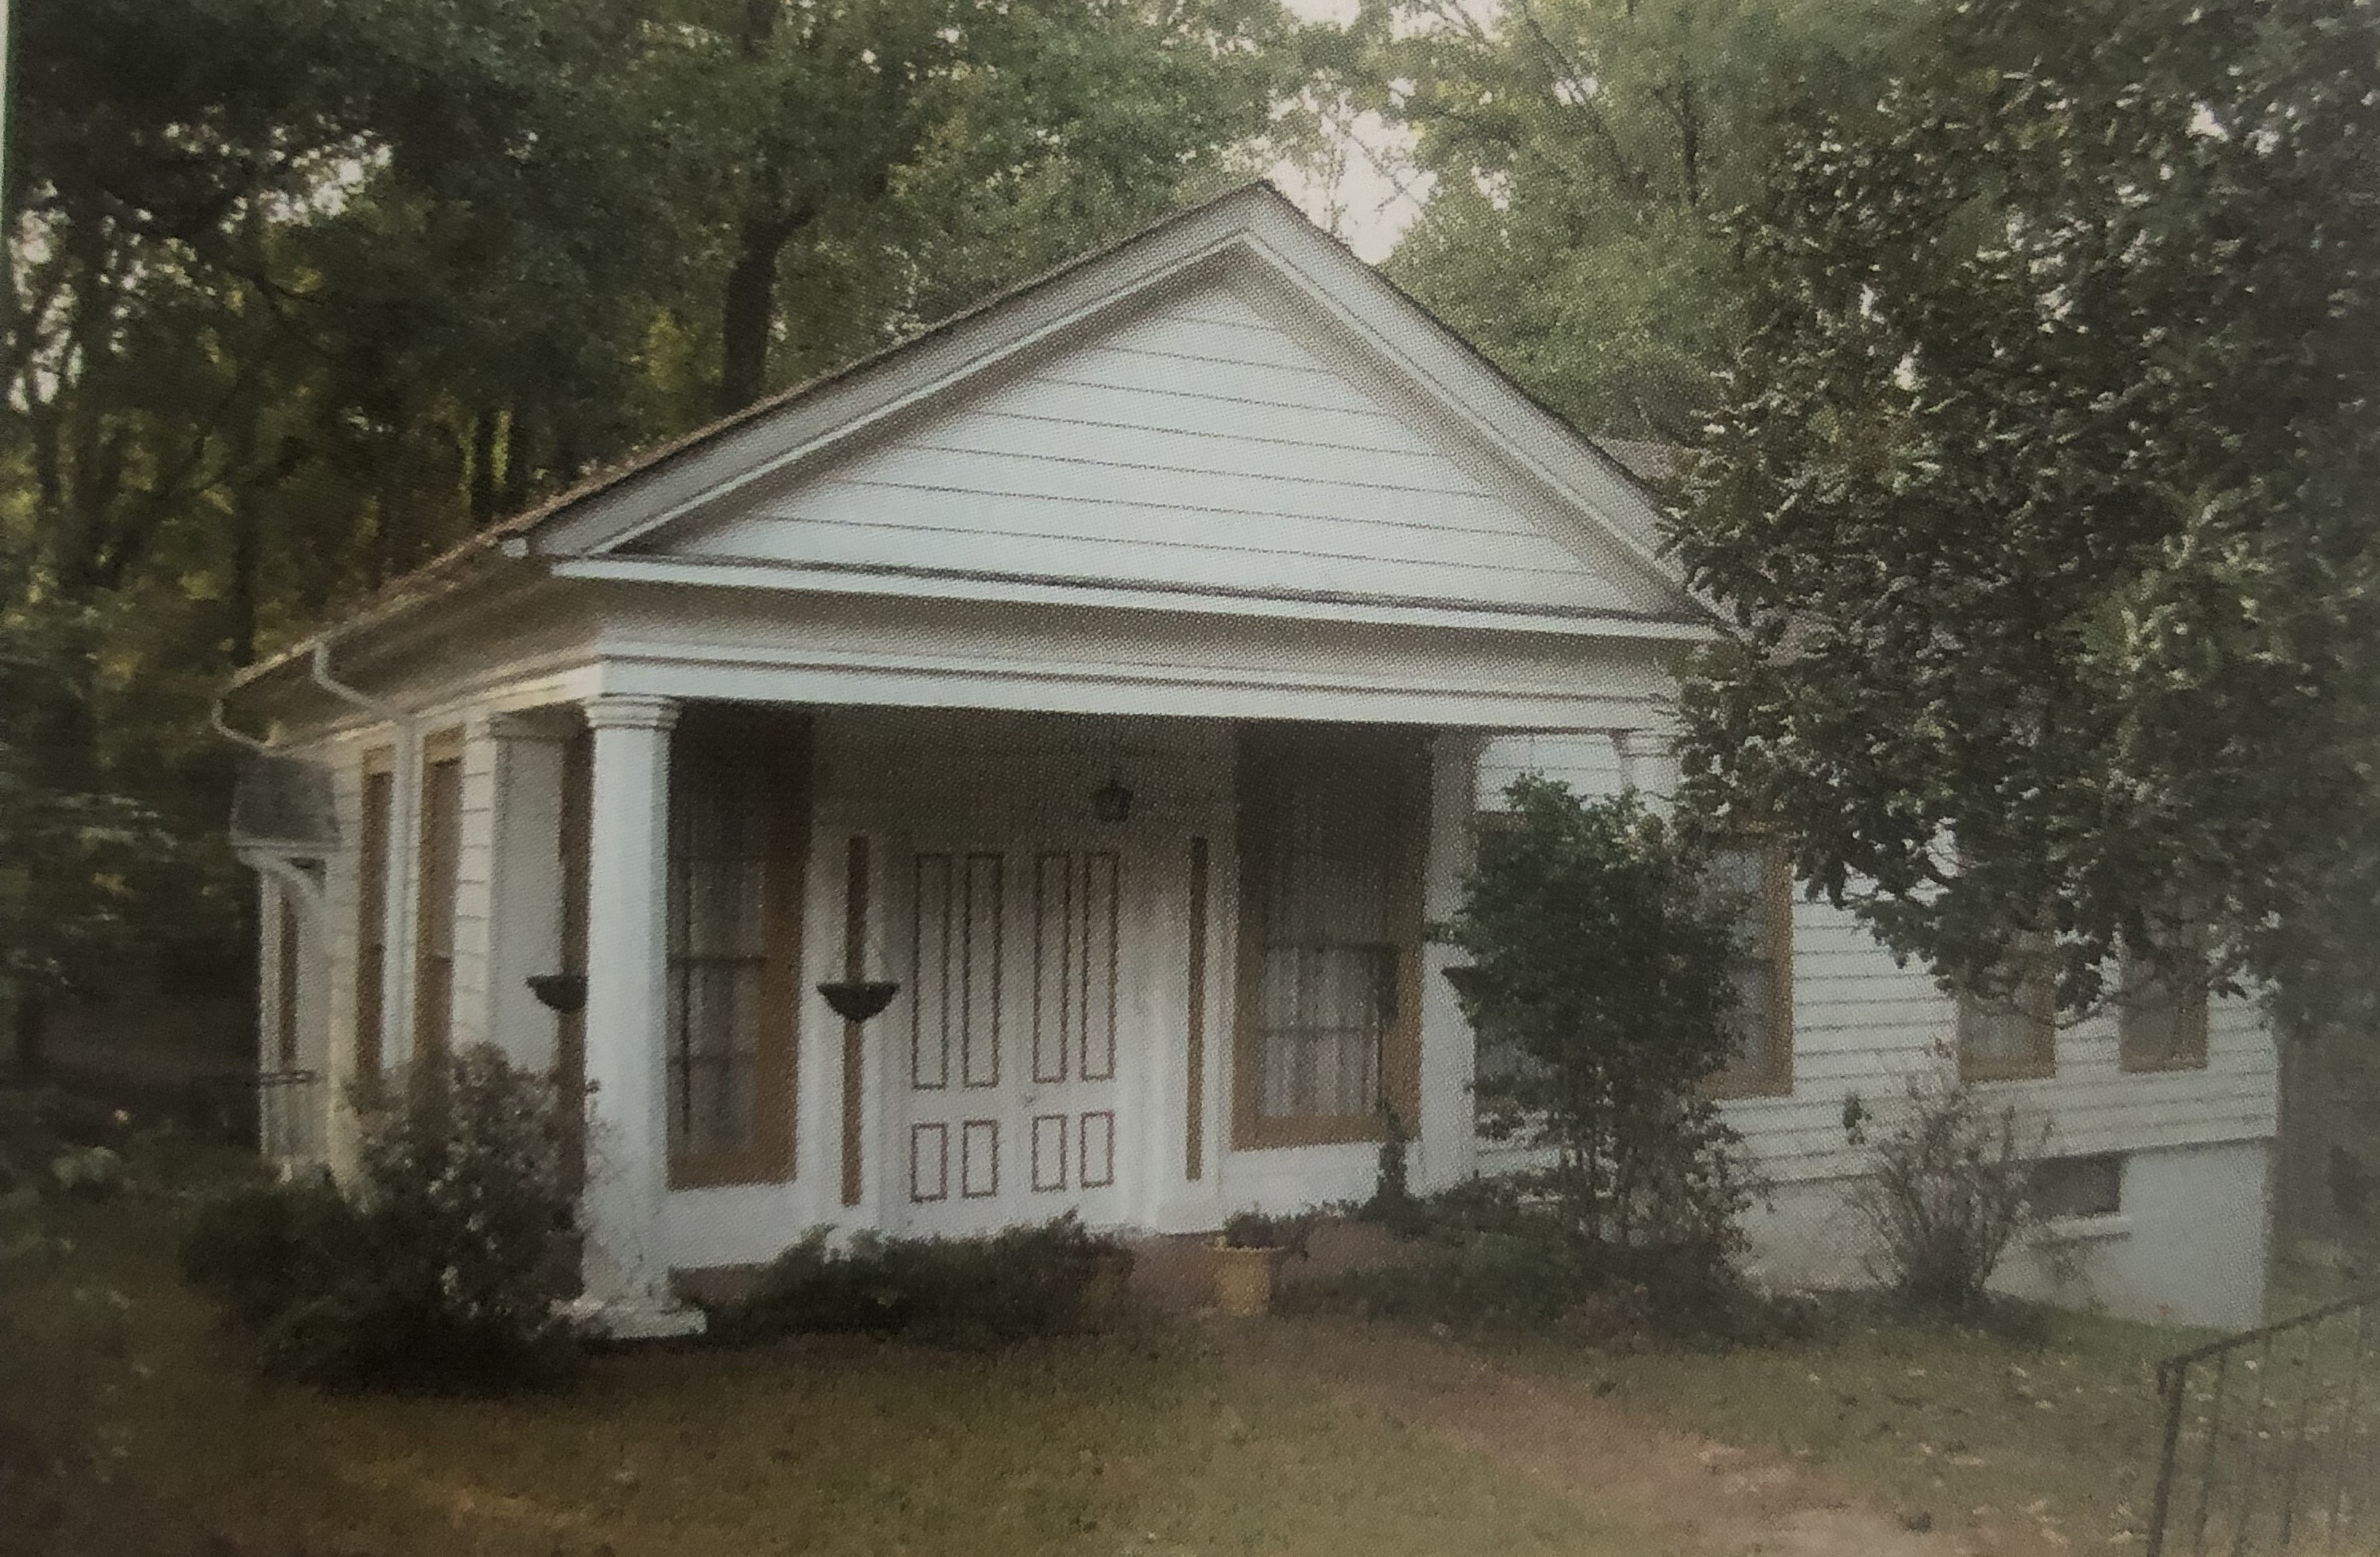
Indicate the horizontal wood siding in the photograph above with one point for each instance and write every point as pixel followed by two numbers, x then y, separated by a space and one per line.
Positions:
pixel 474 892
pixel 1863 1025
pixel 1197 445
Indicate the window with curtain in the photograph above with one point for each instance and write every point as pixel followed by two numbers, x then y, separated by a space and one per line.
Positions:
pixel 737 814
pixel 717 950
pixel 1762 878
pixel 1330 932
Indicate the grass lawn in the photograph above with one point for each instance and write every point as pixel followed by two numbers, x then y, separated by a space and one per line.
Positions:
pixel 126 1425
pixel 2051 1440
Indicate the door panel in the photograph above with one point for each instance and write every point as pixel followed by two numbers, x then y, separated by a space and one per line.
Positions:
pixel 1015 967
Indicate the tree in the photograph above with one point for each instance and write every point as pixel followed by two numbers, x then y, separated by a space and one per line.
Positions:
pixel 1577 155
pixel 303 291
pixel 69 857
pixel 2041 493
pixel 1602 976
pixel 902 158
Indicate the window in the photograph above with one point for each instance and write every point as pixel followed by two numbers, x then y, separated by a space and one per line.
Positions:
pixel 2009 1033
pixel 2161 1009
pixel 371 913
pixel 737 818
pixel 433 932
pixel 1329 932
pixel 1764 971
pixel 2079 1187
pixel 288 971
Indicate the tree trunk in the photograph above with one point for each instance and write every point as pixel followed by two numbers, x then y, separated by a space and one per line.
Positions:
pixel 240 601
pixel 483 468
pixel 520 459
pixel 747 310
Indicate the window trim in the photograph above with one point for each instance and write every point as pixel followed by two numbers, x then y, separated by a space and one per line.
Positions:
pixel 1257 746
pixel 437 864
pixel 375 852
pixel 1774 1076
pixel 779 746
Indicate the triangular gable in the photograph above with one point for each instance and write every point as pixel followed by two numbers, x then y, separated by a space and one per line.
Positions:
pixel 1229 405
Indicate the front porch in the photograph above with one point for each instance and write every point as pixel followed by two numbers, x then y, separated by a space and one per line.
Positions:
pixel 1150 970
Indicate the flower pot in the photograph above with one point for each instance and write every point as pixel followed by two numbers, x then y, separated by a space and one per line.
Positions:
pixel 1244 1279
pixel 855 1000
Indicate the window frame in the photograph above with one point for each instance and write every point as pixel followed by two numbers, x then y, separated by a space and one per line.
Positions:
pixel 1773 1078
pixel 2135 1057
pixel 1262 751
pixel 437 879
pixel 776 748
pixel 375 845
pixel 2036 1003
pixel 2079 1165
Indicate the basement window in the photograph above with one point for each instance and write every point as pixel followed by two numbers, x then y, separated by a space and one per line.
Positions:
pixel 2067 1188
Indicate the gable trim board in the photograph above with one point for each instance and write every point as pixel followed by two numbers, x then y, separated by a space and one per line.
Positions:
pixel 1251 240
pixel 1254 225
pixel 1124 594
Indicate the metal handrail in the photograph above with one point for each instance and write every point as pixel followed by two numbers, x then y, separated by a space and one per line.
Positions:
pixel 2172 1382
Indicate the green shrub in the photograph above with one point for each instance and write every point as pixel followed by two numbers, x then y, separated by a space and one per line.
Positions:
pixel 1393 1204
pixel 1508 1256
pixel 437 1270
pixel 1604 973
pixel 90 1173
pixel 1948 1190
pixel 1265 1230
pixel 1053 1279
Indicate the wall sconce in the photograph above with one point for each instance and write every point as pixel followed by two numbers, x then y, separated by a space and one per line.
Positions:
pixel 1112 802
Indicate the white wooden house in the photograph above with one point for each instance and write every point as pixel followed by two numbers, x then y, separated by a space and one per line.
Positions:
pixel 1120 669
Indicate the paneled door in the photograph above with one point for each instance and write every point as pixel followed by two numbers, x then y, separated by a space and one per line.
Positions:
pixel 1008 1055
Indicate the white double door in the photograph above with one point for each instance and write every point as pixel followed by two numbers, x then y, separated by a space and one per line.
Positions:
pixel 1007 1054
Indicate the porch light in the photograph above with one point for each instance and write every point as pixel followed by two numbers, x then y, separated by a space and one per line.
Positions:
pixel 1112 802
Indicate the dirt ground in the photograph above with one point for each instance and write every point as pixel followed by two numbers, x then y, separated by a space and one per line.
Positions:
pixel 1715 1498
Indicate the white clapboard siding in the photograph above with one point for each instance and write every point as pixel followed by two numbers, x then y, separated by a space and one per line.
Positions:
pixel 1863 1025
pixel 474 894
pixel 1194 445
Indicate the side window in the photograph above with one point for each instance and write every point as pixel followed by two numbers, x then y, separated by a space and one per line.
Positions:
pixel 371 913
pixel 440 858
pixel 2079 1187
pixel 2161 1009
pixel 2009 1033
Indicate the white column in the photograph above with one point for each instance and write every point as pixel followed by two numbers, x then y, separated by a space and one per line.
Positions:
pixel 626 1266
pixel 1447 1138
